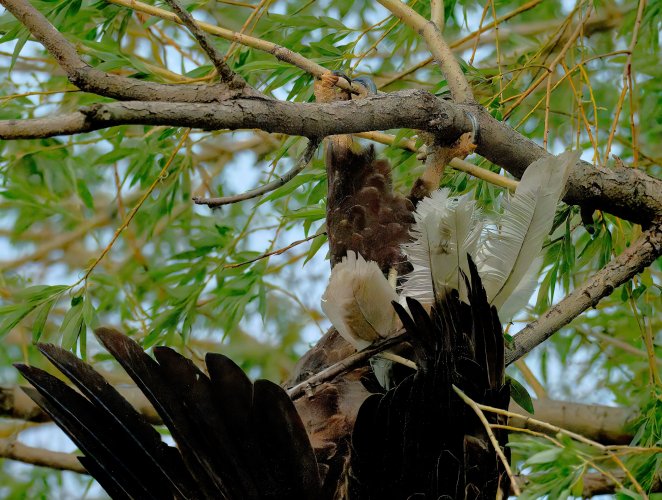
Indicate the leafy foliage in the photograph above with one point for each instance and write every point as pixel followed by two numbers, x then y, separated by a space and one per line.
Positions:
pixel 195 279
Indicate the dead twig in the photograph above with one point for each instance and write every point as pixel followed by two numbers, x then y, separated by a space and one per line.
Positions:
pixel 274 252
pixel 12 449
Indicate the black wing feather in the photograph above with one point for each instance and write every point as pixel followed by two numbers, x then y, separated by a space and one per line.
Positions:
pixel 157 458
pixel 420 440
pixel 236 439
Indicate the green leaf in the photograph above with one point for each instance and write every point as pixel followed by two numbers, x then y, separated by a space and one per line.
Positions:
pixel 520 395
pixel 544 457
pixel 14 317
pixel 39 293
pixel 89 313
pixel 72 324
pixel 84 193
pixel 40 320
pixel 317 243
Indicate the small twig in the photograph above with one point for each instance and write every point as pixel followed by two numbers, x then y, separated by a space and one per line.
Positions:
pixel 345 365
pixel 227 75
pixel 302 163
pixel 274 252
pixel 627 80
pixel 12 449
pixel 495 442
pixel 550 68
pixel 484 174
pixel 135 209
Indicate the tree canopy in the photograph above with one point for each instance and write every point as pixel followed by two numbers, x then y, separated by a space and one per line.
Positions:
pixel 157 177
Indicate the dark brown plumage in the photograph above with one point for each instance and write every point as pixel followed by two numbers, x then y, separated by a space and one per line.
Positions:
pixel 364 215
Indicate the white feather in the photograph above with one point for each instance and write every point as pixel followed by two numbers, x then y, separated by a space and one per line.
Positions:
pixel 521 295
pixel 511 248
pixel 445 230
pixel 358 299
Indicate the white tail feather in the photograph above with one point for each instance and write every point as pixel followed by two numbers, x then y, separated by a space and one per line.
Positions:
pixel 514 244
pixel 446 229
pixel 358 299
pixel 521 295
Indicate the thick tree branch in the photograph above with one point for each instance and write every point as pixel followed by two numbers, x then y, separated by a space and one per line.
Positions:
pixel 605 424
pixel 86 78
pixel 594 484
pixel 625 192
pixel 10 448
pixel 15 404
pixel 641 254
pixel 414 108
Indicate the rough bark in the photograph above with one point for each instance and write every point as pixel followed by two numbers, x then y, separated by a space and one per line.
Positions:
pixel 626 192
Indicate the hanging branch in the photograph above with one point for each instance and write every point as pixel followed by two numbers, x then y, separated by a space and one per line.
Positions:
pixel 495 442
pixel 302 163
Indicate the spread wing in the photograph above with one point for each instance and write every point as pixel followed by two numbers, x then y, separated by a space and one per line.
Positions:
pixel 235 439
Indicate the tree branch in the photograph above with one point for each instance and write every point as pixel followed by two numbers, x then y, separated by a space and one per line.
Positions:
pixel 606 424
pixel 414 108
pixel 266 188
pixel 12 449
pixel 15 404
pixel 625 192
pixel 619 270
pixel 204 40
pixel 88 79
pixel 457 83
pixel 594 483
pixel 495 442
